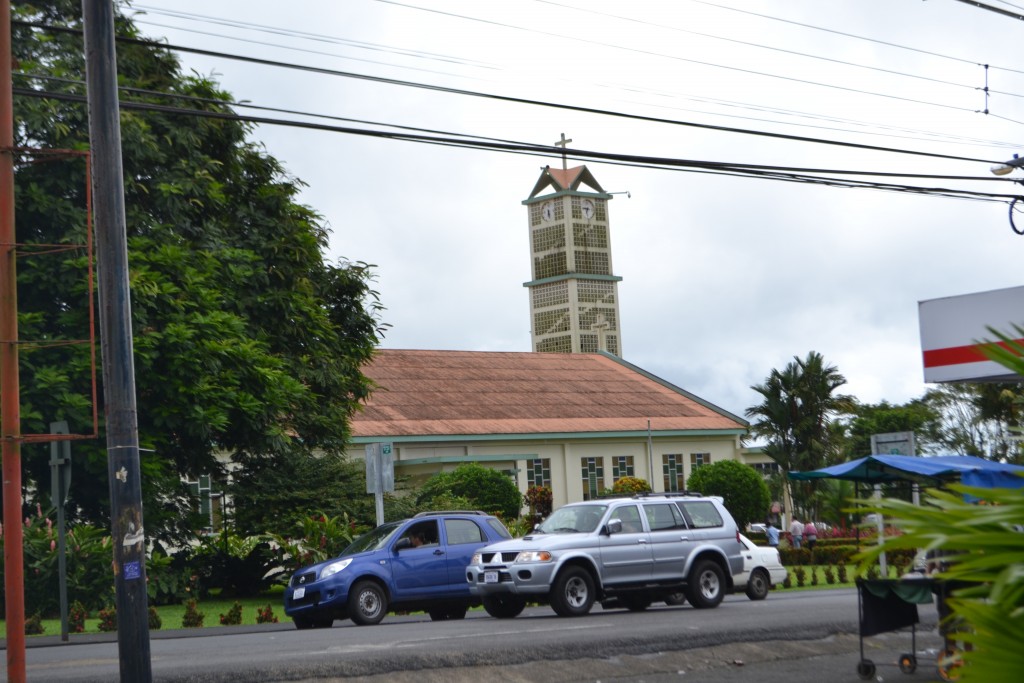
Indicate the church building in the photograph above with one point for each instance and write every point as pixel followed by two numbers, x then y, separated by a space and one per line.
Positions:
pixel 572 414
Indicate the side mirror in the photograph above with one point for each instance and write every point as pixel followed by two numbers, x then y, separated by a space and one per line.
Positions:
pixel 614 526
pixel 403 543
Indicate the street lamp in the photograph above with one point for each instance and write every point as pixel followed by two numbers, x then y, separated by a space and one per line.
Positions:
pixel 1007 167
pixel 1017 203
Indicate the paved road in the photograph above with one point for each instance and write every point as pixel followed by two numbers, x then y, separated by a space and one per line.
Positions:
pixel 791 637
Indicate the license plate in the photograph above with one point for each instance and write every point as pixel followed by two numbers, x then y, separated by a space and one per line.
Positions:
pixel 299 594
pixel 490 577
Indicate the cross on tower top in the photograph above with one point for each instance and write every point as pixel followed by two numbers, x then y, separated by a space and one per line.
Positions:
pixel 563 143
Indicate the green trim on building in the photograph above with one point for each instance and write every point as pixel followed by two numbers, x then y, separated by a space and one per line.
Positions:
pixel 562 436
pixel 573 276
pixel 467 458
pixel 564 193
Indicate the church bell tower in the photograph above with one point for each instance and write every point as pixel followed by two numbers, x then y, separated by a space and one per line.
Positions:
pixel 574 303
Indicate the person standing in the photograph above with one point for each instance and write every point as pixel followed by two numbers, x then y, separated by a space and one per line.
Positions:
pixel 796 532
pixel 810 535
pixel 773 535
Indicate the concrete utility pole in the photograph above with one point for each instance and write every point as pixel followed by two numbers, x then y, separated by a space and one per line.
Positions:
pixel 10 408
pixel 129 540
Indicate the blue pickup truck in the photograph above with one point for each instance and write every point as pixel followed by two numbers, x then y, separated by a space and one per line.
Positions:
pixel 416 564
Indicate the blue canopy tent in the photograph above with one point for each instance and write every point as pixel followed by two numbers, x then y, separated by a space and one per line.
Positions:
pixel 925 470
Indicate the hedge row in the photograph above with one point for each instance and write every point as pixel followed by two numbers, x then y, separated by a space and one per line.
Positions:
pixel 834 554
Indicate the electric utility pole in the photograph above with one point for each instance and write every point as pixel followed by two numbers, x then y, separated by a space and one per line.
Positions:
pixel 122 428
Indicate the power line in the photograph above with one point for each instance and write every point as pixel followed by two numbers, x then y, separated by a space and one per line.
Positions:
pixel 813 176
pixel 762 46
pixel 305 35
pixel 414 53
pixel 990 8
pixel 855 36
pixel 515 100
pixel 751 72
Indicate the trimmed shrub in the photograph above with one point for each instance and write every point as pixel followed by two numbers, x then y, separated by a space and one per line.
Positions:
pixel 743 490
pixel 234 615
pixel 265 615
pixel 77 614
pixel 155 622
pixel 488 489
pixel 192 618
pixel 34 625
pixel 630 485
pixel 108 618
pixel 801 575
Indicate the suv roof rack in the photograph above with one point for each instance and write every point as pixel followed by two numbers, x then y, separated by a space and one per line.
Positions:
pixel 669 494
pixel 436 513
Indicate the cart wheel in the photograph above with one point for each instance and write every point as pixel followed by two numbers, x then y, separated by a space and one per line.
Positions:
pixel 865 669
pixel 949 664
pixel 908 663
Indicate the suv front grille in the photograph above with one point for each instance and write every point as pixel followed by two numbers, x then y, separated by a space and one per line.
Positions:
pixel 501 558
pixel 303 579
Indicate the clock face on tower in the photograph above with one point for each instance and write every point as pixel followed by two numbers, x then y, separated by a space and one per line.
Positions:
pixel 587 207
pixel 547 211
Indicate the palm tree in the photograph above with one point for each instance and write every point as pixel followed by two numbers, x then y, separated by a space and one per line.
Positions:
pixel 797 417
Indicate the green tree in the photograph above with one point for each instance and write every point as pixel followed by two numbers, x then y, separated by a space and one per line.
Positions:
pixel 275 494
pixel 797 418
pixel 867 419
pixel 487 489
pixel 974 419
pixel 742 489
pixel 246 341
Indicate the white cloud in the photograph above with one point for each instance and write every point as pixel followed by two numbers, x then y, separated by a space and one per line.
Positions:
pixel 723 278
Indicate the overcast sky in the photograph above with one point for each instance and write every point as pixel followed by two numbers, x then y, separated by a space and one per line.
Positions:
pixel 723 278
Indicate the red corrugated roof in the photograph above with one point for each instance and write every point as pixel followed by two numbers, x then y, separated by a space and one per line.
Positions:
pixel 440 393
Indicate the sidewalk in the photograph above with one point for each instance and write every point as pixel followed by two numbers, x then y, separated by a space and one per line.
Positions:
pixel 833 659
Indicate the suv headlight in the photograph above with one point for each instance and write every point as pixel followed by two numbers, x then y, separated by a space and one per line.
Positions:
pixel 477 559
pixel 334 567
pixel 534 556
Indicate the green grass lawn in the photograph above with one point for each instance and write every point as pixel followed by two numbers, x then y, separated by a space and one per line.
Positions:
pixel 171 615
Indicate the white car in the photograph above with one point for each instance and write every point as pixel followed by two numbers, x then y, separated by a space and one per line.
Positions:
pixel 762 569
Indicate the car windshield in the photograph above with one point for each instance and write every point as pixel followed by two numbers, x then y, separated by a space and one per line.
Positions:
pixel 371 540
pixel 573 519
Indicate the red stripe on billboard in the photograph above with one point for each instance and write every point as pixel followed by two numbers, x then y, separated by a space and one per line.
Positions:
pixel 959 355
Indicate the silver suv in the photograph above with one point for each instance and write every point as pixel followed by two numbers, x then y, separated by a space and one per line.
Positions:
pixel 626 552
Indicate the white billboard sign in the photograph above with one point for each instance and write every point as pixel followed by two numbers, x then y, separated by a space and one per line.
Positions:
pixel 953 328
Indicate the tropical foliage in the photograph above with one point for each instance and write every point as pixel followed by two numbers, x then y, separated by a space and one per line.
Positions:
pixel 247 342
pixel 983 546
pixel 798 419
pixel 630 485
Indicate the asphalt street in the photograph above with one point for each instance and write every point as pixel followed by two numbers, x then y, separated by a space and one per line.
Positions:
pixel 832 658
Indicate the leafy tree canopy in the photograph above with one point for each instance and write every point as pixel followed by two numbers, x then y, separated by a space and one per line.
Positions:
pixel 246 341
pixel 976 419
pixel 868 419
pixel 742 489
pixel 487 489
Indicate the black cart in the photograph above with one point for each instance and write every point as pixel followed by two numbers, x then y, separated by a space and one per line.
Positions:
pixel 890 605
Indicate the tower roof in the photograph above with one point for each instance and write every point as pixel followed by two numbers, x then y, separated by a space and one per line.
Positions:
pixel 565 179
